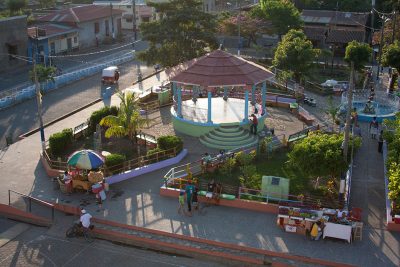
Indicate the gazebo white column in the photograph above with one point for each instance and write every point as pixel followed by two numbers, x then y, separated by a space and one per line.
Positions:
pixel 195 93
pixel 263 98
pixel 246 106
pixel 225 93
pixel 209 108
pixel 253 94
pixel 179 93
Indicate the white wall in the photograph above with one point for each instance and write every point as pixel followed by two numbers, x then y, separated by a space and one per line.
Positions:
pixel 60 42
pixel 87 36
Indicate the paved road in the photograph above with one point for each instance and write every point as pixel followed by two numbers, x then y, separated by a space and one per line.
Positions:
pixel 22 118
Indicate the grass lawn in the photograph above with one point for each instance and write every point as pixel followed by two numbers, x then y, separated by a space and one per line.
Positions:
pixel 275 165
pixel 319 75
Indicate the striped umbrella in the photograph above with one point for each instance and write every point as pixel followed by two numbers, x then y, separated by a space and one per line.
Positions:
pixel 85 159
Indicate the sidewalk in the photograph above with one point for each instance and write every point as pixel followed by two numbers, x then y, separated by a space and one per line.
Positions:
pixel 137 202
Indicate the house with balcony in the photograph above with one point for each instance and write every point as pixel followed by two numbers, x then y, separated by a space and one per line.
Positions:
pixel 94 24
pixel 333 30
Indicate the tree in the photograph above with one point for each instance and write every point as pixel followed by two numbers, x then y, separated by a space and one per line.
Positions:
pixel 332 111
pixel 295 54
pixel 184 32
pixel 358 53
pixel 342 5
pixel 16 5
pixel 250 27
pixel 43 73
pixel 319 155
pixel 282 13
pixel 391 56
pixel 128 121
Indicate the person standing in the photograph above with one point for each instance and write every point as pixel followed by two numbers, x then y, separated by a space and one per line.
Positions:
pixel 380 142
pixel 68 182
pixel 254 124
pixel 316 231
pixel 373 128
pixel 189 189
pixel 181 208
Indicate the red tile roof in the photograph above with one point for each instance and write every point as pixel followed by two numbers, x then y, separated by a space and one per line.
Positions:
pixel 344 36
pixel 80 14
pixel 49 29
pixel 219 68
pixel 315 33
pixel 333 17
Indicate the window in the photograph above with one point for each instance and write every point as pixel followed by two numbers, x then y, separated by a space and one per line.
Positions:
pixel 128 6
pixel 75 40
pixel 128 19
pixel 107 28
pixel 96 27
pixel 146 19
pixel 275 181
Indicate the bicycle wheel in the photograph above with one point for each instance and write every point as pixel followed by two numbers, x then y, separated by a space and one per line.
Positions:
pixel 88 236
pixel 71 232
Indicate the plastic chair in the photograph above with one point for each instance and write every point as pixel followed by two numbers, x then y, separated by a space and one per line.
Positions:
pixel 356 214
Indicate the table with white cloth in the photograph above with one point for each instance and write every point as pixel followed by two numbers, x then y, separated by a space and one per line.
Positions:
pixel 340 231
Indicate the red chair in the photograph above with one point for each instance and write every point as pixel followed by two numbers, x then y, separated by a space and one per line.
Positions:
pixel 356 214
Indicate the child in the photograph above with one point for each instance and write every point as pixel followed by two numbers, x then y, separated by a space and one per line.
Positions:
pixel 181 202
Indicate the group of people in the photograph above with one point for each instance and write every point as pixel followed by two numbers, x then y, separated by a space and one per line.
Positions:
pixel 190 196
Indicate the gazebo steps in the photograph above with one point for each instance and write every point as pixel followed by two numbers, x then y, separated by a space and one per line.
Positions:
pixel 228 137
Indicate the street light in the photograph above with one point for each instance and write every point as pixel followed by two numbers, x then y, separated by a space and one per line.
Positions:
pixel 384 20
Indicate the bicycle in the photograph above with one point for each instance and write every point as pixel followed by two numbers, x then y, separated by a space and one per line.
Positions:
pixel 78 230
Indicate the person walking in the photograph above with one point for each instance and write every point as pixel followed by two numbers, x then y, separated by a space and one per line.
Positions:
pixel 181 198
pixel 373 128
pixel 189 189
pixel 254 124
pixel 316 231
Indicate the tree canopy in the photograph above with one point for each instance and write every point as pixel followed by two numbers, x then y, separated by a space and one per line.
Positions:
pixel 47 3
pixel 184 32
pixel 319 155
pixel 358 53
pixel 43 73
pixel 391 56
pixel 342 5
pixel 282 14
pixel 250 26
pixel 16 5
pixel 295 54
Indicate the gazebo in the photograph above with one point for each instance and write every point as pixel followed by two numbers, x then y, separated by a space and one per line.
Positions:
pixel 214 90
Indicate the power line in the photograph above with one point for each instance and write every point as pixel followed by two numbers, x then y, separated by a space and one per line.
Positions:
pixel 94 53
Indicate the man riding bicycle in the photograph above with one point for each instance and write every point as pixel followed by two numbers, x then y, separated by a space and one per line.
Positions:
pixel 85 219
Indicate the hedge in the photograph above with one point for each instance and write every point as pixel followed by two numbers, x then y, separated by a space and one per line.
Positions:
pixel 114 162
pixel 59 141
pixel 97 115
pixel 170 141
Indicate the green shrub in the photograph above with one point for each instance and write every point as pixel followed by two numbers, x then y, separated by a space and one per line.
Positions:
pixel 170 141
pixel 151 155
pixel 243 159
pixel 59 141
pixel 114 162
pixel 97 115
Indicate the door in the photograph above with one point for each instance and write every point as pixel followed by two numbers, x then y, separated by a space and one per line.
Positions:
pixel 52 48
pixel 119 27
pixel 69 44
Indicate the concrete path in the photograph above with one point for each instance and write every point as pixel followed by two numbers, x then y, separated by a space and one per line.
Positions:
pixel 138 202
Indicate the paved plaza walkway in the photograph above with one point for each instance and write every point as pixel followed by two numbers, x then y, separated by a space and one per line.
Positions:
pixel 138 202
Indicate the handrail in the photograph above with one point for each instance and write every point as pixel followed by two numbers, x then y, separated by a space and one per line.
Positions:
pixel 30 202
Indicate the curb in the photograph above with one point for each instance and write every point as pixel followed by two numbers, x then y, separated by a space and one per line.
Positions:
pixel 22 136
pixel 148 76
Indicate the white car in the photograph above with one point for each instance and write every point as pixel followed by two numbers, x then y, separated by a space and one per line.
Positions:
pixel 329 83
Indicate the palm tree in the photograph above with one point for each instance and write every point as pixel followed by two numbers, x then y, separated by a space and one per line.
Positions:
pixel 332 110
pixel 128 122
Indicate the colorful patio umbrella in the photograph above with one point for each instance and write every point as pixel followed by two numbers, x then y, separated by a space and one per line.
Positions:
pixel 85 159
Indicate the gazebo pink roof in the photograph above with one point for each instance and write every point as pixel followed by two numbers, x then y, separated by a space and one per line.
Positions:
pixel 218 69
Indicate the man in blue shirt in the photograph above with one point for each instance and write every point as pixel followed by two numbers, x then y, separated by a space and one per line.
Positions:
pixel 189 189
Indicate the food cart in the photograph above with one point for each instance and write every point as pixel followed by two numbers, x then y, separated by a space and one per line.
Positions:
pixel 110 75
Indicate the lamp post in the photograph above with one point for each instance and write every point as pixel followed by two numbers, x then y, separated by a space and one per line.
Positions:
pixel 332 48
pixel 134 20
pixel 384 20
pixel 112 23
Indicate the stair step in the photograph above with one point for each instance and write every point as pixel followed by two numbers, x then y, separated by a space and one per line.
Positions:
pixel 219 135
pixel 236 143
pixel 226 147
pixel 228 129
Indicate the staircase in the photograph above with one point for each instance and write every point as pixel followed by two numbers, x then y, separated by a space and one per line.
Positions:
pixel 228 137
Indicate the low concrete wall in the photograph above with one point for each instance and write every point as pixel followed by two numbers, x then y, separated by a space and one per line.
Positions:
pixel 146 169
pixel 236 203
pixel 50 172
pixel 23 216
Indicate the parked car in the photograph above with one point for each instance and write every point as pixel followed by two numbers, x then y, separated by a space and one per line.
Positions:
pixel 110 75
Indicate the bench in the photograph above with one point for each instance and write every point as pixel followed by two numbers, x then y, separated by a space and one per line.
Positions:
pixel 305 116
pixel 80 130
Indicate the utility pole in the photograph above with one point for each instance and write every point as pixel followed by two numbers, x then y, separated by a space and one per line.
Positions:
pixel 372 19
pixel 134 20
pixel 348 113
pixel 112 23
pixel 239 19
pixel 381 46
pixel 394 25
pixel 38 94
